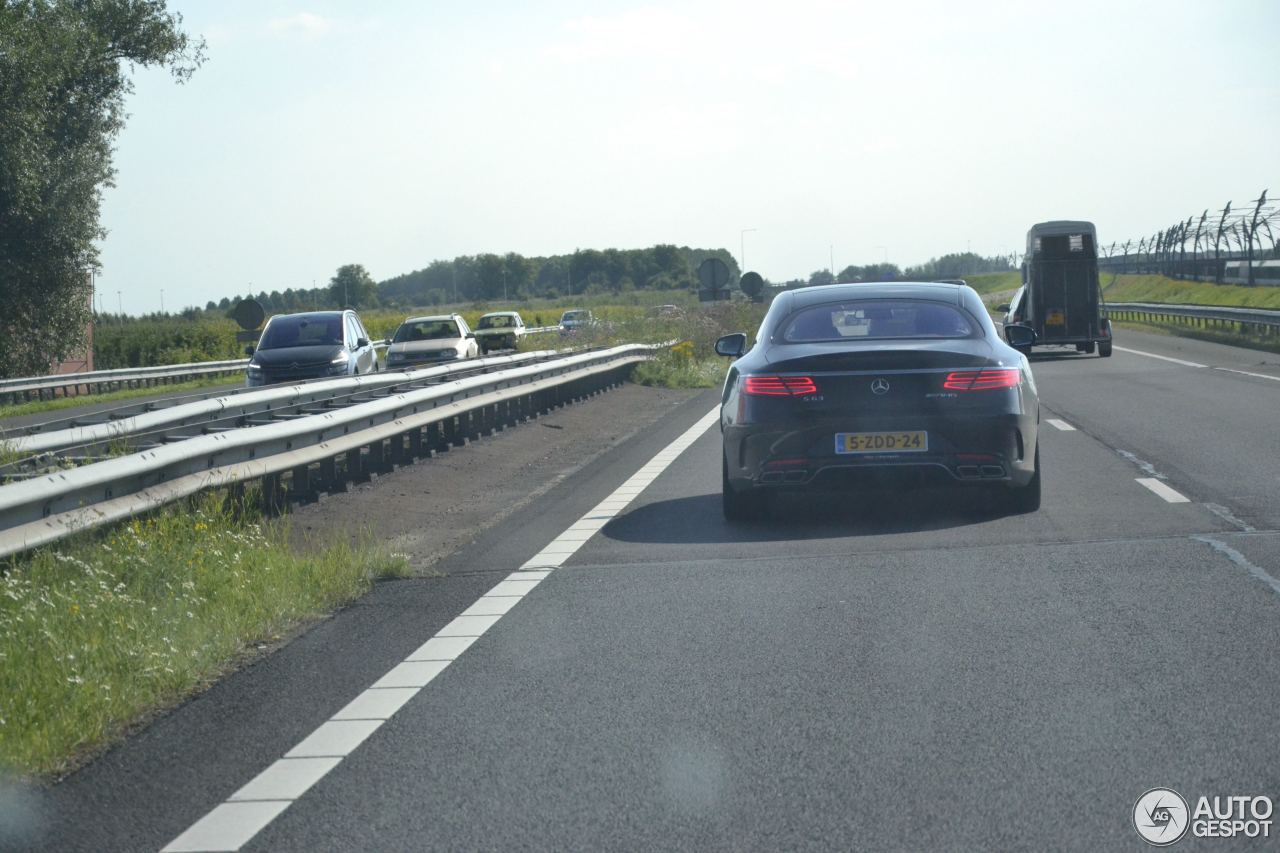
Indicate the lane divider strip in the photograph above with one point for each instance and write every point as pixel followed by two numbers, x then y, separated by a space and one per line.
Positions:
pixel 233 823
pixel 1168 494
pixel 1060 424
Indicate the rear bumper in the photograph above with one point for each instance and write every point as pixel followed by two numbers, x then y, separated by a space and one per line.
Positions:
pixel 996 449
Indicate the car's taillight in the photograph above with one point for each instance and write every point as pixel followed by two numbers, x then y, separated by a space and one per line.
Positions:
pixel 981 380
pixel 778 386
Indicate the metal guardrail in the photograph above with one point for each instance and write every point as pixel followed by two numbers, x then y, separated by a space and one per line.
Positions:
pixel 43 387
pixel 1264 322
pixel 301 456
pixel 249 403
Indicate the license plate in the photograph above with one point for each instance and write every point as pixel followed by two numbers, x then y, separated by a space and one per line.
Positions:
pixel 1055 318
pixel 882 442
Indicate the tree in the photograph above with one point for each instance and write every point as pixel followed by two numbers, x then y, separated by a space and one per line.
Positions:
pixel 352 286
pixel 62 91
pixel 820 277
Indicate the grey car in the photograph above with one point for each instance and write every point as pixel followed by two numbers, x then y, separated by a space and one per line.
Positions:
pixel 311 345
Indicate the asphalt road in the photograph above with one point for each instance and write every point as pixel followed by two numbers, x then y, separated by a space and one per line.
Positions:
pixel 883 672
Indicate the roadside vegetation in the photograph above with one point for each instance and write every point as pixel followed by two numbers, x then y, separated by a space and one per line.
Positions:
pixel 995 282
pixel 1159 288
pixel 36 407
pixel 101 631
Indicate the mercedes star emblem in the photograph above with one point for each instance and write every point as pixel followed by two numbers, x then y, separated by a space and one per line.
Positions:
pixel 880 386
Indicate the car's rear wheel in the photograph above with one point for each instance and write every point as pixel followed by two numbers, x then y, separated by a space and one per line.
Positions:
pixel 1027 498
pixel 738 506
pixel 1104 349
pixel 1085 348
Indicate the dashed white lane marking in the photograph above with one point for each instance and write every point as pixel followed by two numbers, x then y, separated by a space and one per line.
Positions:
pixel 1242 561
pixel 1161 357
pixel 232 824
pixel 1248 373
pixel 1060 424
pixel 1170 495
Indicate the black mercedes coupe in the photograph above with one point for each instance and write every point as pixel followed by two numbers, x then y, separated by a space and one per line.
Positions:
pixel 851 386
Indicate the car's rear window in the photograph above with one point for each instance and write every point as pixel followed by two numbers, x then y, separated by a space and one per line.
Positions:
pixel 877 318
pixel 302 331
pixel 426 330
pixel 498 322
pixel 576 315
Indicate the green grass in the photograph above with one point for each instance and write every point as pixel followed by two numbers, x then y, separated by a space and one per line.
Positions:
pixel 36 407
pixel 995 282
pixel 1159 288
pixel 99 632
pixel 692 363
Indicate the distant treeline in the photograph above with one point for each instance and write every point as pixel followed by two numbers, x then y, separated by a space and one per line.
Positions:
pixel 489 277
pixel 956 265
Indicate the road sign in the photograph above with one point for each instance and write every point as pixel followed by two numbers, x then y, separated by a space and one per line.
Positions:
pixel 248 314
pixel 751 283
pixel 713 273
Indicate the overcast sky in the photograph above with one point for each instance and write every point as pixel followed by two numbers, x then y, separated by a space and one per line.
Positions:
pixel 394 133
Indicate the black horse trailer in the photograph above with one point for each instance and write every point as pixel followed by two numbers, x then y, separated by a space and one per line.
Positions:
pixel 1060 297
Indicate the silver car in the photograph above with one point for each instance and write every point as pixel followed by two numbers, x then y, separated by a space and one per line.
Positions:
pixel 431 340
pixel 311 345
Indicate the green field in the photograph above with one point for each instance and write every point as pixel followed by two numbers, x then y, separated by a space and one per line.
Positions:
pixel 995 282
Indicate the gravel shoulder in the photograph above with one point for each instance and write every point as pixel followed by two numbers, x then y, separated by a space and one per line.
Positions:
pixel 429 510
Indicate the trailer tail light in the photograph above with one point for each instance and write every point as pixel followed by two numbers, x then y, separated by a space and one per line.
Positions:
pixel 982 380
pixel 779 386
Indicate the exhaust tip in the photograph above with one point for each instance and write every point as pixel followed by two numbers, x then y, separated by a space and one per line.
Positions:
pixel 968 471
pixel 992 471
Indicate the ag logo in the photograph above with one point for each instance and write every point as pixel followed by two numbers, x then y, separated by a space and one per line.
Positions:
pixel 880 386
pixel 1161 817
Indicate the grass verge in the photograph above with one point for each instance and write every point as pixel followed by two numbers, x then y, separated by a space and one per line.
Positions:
pixel 691 363
pixel 995 282
pixel 1172 291
pixel 35 407
pixel 99 632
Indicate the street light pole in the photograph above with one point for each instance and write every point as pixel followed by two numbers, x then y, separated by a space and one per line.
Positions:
pixel 742 250
pixel 162 300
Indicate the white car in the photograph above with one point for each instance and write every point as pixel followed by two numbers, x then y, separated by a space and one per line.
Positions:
pixel 499 330
pixel 431 340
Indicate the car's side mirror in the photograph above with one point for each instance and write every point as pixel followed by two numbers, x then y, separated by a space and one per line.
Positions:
pixel 471 334
pixel 361 343
pixel 1004 307
pixel 1020 337
pixel 248 350
pixel 732 346
pixel 386 342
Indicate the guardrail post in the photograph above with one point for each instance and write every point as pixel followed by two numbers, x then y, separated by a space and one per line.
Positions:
pixel 330 482
pixel 273 495
pixel 300 483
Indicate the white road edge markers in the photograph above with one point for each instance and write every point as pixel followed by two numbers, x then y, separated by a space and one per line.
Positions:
pixel 232 824
pixel 1169 495
pixel 1060 424
pixel 1183 362
pixel 1248 373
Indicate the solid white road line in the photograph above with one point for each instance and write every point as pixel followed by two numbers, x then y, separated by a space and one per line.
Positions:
pixel 1161 357
pixel 1060 424
pixel 1248 373
pixel 232 824
pixel 1170 495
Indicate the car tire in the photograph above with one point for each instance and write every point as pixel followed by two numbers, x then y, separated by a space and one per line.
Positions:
pixel 739 506
pixel 1087 349
pixel 1104 349
pixel 1023 499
